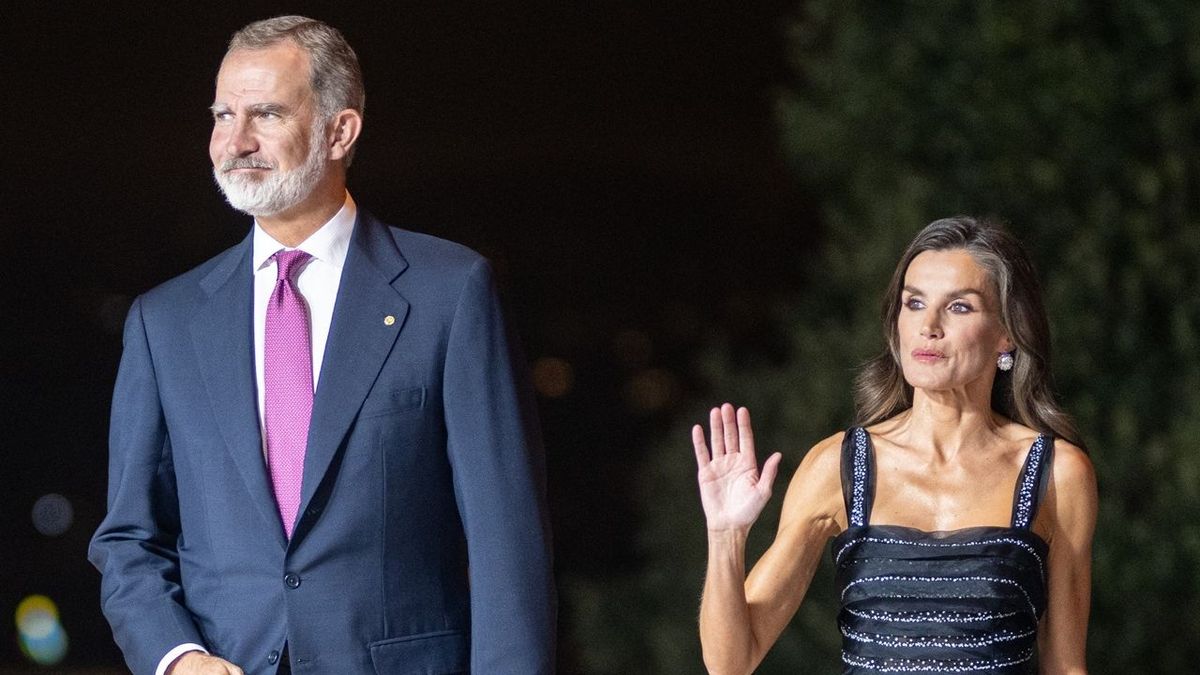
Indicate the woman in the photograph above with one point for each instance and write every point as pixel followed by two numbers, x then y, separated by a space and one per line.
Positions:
pixel 957 546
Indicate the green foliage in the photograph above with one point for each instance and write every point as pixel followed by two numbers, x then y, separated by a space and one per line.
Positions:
pixel 1076 123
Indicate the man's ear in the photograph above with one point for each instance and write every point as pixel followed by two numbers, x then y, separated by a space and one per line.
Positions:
pixel 344 132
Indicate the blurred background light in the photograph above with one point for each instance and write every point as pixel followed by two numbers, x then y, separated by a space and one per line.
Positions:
pixel 632 348
pixel 553 377
pixel 41 635
pixel 652 390
pixel 36 616
pixel 53 514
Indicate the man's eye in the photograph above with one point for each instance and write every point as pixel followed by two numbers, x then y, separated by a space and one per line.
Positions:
pixel 222 116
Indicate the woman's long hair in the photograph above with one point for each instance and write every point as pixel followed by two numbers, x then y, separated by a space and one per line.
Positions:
pixel 1023 393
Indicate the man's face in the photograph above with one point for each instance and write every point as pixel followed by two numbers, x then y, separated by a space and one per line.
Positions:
pixel 268 144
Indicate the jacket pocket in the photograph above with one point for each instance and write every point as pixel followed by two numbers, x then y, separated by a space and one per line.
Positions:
pixel 440 653
pixel 391 401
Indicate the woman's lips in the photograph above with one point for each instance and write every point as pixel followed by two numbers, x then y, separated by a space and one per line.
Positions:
pixel 927 355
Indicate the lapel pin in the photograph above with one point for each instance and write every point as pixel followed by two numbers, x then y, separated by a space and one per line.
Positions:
pixel 389 320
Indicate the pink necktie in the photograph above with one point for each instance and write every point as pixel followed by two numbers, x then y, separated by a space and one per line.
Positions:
pixel 288 380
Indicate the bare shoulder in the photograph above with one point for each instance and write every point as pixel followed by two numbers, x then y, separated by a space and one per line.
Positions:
pixel 826 455
pixel 815 491
pixel 1072 471
pixel 1073 491
pixel 1020 438
pixel 1072 458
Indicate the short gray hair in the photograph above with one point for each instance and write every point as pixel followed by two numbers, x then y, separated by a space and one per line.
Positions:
pixel 335 74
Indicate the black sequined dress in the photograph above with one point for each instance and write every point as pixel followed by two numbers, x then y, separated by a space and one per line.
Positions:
pixel 962 601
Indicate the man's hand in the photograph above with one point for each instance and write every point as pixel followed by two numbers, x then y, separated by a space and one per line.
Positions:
pixel 199 663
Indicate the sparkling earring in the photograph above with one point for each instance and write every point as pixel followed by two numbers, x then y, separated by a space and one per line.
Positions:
pixel 1005 361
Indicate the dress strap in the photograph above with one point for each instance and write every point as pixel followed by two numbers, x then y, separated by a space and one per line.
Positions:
pixel 858 479
pixel 1031 483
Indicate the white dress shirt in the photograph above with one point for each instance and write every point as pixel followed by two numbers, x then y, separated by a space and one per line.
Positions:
pixel 318 283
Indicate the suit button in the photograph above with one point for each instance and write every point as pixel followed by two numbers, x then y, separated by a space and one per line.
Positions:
pixel 273 657
pixel 291 580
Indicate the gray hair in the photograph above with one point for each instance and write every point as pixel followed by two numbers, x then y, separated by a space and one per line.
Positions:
pixel 335 74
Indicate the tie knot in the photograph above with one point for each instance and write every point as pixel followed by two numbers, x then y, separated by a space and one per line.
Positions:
pixel 288 262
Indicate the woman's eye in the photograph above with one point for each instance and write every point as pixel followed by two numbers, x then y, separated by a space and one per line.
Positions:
pixel 914 303
pixel 960 308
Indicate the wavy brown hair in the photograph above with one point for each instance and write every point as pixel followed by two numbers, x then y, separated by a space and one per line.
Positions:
pixel 1024 393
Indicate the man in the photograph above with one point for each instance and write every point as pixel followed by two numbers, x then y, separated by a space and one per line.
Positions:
pixel 324 457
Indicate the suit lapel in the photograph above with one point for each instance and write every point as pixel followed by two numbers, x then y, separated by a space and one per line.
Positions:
pixel 360 338
pixel 223 337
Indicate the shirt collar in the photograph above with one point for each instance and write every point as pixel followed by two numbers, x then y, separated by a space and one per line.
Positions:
pixel 328 244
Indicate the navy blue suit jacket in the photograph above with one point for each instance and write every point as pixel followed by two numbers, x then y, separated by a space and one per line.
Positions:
pixel 422 544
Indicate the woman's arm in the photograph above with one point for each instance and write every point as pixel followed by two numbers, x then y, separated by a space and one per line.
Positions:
pixel 1072 503
pixel 740 617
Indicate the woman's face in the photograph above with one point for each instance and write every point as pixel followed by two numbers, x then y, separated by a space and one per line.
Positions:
pixel 949 322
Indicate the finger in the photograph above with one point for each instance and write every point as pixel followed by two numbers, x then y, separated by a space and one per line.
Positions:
pixel 729 421
pixel 716 432
pixel 745 432
pixel 701 447
pixel 769 471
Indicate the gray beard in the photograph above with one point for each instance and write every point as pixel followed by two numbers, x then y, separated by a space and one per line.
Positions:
pixel 279 190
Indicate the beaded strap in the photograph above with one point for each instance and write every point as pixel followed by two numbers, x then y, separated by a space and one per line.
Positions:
pixel 856 474
pixel 1031 483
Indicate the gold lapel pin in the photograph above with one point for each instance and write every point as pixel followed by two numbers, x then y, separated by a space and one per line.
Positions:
pixel 389 320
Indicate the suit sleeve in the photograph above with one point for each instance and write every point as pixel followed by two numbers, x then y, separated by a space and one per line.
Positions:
pixel 135 547
pixel 495 451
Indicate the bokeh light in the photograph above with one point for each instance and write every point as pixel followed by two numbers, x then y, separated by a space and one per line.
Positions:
pixel 632 348
pixel 652 390
pixel 36 616
pixel 553 377
pixel 53 514
pixel 41 635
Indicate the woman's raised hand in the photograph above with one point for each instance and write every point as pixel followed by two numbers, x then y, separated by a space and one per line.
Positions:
pixel 731 489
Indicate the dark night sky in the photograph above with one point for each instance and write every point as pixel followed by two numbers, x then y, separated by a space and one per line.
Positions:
pixel 617 162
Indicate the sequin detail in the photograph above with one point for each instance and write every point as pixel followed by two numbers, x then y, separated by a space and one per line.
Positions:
pixel 900 665
pixel 959 601
pixel 938 616
pixel 1029 480
pixel 858 494
pixel 940 641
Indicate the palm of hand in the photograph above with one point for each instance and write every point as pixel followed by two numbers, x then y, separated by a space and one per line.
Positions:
pixel 731 491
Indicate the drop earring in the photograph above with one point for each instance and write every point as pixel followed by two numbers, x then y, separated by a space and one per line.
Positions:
pixel 1005 361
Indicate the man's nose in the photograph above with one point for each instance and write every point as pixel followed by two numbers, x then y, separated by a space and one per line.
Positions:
pixel 241 140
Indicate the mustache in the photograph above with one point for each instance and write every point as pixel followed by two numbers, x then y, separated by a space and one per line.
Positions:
pixel 245 163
